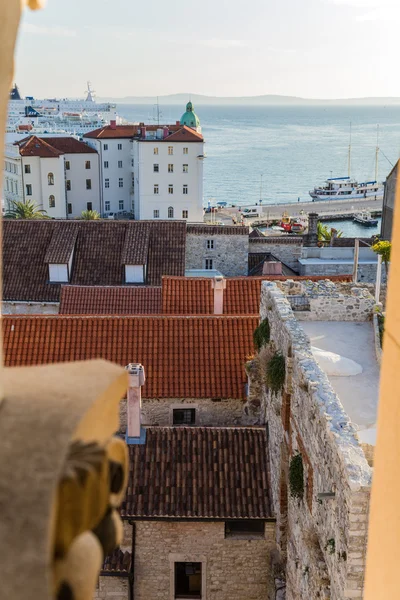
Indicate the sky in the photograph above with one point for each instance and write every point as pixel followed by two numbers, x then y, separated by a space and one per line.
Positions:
pixel 307 48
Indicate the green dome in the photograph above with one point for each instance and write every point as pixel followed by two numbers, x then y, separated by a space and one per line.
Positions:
pixel 189 118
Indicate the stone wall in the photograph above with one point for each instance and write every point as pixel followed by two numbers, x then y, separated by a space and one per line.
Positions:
pixel 209 412
pixel 323 539
pixel 112 588
pixel 286 249
pixel 366 271
pixel 229 255
pixel 232 568
pixel 30 308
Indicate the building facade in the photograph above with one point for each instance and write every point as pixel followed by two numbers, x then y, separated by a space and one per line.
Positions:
pixel 151 171
pixel 389 203
pixel 59 174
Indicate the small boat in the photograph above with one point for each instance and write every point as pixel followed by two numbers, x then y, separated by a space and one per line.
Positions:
pixel 364 218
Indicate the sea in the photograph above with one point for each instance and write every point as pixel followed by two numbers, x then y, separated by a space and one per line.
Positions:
pixel 279 153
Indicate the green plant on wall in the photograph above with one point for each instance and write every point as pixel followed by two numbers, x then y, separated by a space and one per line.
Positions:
pixel 330 546
pixel 276 372
pixel 261 335
pixel 296 477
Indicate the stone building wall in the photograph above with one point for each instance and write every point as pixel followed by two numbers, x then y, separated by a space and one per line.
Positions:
pixel 30 308
pixel 232 568
pixel 112 588
pixel 323 539
pixel 286 249
pixel 230 252
pixel 366 271
pixel 209 412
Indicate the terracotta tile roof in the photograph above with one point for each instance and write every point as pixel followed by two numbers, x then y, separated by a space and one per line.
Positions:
pixel 256 262
pixel 118 563
pixel 70 145
pixel 34 146
pixel 136 245
pixel 184 357
pixel 99 252
pixel 186 134
pixel 62 243
pixel 199 473
pixel 200 229
pixel 115 300
pixel 195 296
pixel 106 132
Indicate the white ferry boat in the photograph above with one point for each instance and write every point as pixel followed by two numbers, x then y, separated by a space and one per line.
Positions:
pixel 346 188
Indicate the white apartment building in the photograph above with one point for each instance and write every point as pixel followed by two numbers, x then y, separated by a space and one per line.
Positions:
pixel 59 174
pixel 152 171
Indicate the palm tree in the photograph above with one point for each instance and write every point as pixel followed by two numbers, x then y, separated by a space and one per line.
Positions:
pixel 25 209
pixel 89 215
pixel 325 234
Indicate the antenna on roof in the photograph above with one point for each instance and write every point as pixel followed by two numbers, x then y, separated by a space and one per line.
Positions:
pixel 159 114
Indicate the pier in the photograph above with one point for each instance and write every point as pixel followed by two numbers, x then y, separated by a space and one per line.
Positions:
pixel 327 210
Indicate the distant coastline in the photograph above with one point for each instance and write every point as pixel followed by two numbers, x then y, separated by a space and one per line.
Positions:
pixel 265 100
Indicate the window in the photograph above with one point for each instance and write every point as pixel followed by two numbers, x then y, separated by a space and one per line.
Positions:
pixel 87 164
pixel 170 212
pixel 170 150
pixel 186 151
pixel 186 168
pixel 88 184
pixel 16 187
pixel 28 189
pixel 106 164
pixel 155 150
pixel 12 186
pixel 132 162
pixel 120 164
pixel 69 208
pixel 121 205
pixel 156 168
pixel 210 244
pixel 209 264
pixel 89 206
pixel 184 416
pixel 27 169
pixel 170 168
pixel 106 183
pixel 170 189
pixel 67 165
pixel 156 189
pixel 119 146
pixel 107 205
pixel 156 214
pixel 52 201
pixel 185 189
pixel 244 528
pixel 185 214
pixel 8 189
pixel 187 580
pixel 120 182
pixel 105 146
pixel 68 185
pixel 50 179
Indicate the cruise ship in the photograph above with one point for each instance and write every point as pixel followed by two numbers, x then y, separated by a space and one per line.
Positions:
pixel 51 115
pixel 346 188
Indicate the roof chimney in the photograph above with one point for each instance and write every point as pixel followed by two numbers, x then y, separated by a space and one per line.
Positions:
pixel 219 285
pixel 134 432
pixel 113 124
pixel 165 132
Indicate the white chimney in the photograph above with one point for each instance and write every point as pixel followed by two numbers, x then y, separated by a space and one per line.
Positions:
pixel 134 403
pixel 219 285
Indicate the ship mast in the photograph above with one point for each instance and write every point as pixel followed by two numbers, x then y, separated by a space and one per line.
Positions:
pixel 377 153
pixel 349 156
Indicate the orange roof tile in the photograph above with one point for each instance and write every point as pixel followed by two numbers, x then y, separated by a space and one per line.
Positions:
pixel 35 146
pixel 186 134
pixel 113 300
pixel 199 473
pixel 184 357
pixel 70 145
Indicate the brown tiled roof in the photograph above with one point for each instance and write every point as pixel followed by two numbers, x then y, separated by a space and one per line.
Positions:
pixel 186 134
pixel 256 262
pixel 200 229
pixel 62 243
pixel 118 563
pixel 99 249
pixel 184 357
pixel 136 245
pixel 115 300
pixel 107 132
pixel 195 296
pixel 34 146
pixel 70 145
pixel 199 473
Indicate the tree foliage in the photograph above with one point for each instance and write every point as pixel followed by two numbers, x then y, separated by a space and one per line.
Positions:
pixel 89 215
pixel 325 233
pixel 25 209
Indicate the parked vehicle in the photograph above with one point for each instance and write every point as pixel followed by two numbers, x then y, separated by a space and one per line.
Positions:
pixel 250 213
